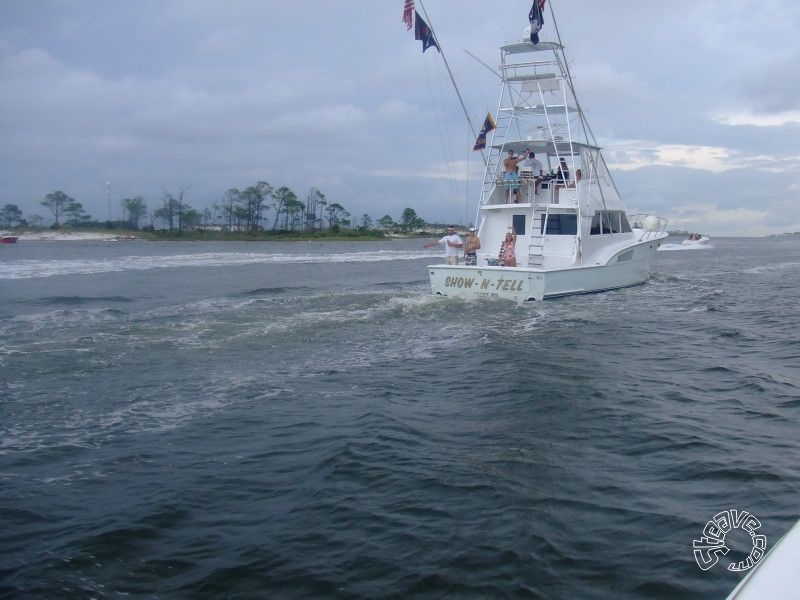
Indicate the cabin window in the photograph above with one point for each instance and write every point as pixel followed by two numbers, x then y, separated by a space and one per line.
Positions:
pixel 595 229
pixel 518 222
pixel 609 221
pixel 560 225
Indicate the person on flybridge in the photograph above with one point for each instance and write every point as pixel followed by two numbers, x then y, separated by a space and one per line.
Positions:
pixel 532 163
pixel 531 172
pixel 511 176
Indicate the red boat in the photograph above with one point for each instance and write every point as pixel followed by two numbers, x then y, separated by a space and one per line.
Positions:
pixel 8 239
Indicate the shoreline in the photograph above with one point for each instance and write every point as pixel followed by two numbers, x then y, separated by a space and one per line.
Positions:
pixel 195 236
pixel 117 235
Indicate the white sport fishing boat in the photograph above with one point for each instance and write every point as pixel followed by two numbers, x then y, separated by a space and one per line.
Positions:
pixel 573 235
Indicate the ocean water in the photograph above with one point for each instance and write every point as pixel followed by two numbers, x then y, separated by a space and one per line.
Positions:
pixel 298 420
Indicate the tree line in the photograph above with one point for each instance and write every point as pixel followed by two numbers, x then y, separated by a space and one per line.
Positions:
pixel 256 208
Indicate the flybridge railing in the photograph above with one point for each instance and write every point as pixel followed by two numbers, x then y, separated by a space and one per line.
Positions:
pixel 650 225
pixel 532 64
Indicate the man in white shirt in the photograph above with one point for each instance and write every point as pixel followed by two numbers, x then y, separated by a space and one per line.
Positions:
pixel 452 245
pixel 533 168
pixel 533 164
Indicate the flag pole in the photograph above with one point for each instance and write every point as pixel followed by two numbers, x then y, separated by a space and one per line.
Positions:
pixel 452 78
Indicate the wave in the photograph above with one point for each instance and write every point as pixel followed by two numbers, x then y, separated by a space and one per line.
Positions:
pixel 273 291
pixel 28 269
pixel 216 323
pixel 772 268
pixel 76 300
pixel 673 247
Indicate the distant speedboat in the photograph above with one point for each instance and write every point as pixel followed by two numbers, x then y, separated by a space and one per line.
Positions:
pixel 696 239
pixel 8 239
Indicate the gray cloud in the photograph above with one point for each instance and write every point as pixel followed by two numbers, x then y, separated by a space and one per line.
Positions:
pixel 156 94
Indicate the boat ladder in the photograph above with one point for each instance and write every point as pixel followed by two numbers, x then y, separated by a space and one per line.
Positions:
pixel 536 239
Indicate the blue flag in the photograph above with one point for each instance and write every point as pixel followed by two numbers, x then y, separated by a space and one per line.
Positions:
pixel 537 19
pixel 424 33
pixel 488 125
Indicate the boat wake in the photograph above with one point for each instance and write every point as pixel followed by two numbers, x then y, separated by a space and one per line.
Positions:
pixel 674 247
pixel 791 265
pixel 28 269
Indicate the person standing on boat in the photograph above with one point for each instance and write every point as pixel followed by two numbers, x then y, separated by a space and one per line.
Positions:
pixel 508 250
pixel 471 245
pixel 511 175
pixel 535 168
pixel 578 177
pixel 452 245
pixel 562 175
pixel 532 163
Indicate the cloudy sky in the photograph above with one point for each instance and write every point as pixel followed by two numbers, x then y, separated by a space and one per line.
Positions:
pixel 697 103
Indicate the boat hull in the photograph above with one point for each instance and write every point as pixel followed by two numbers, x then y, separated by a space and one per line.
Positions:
pixel 8 239
pixel 521 283
pixel 776 576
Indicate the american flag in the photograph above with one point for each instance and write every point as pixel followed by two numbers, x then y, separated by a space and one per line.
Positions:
pixel 541 7
pixel 408 13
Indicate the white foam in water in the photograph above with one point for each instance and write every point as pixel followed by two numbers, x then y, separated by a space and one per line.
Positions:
pixel 673 247
pixel 27 269
pixel 409 303
pixel 770 268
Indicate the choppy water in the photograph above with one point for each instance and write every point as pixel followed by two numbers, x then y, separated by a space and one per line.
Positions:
pixel 305 420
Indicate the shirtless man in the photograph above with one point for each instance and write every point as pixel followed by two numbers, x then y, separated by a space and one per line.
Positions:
pixel 471 246
pixel 510 174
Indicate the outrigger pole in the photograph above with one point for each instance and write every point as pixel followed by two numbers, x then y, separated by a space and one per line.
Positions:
pixel 500 77
pixel 452 78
